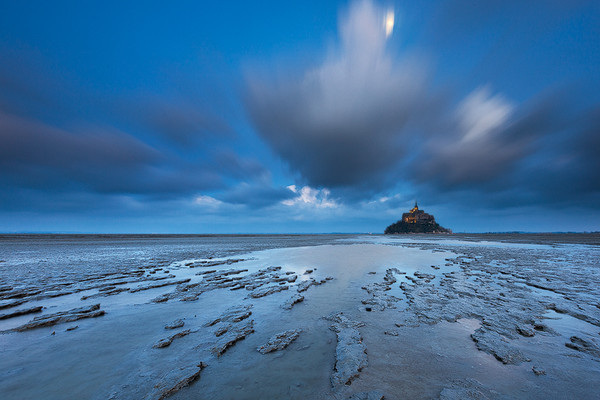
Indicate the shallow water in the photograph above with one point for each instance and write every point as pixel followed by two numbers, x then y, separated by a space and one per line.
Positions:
pixel 113 356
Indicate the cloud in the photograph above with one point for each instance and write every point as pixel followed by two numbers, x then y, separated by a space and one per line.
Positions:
pixel 38 156
pixel 34 154
pixel 544 153
pixel 255 195
pixel 566 170
pixel 207 201
pixel 240 167
pixel 61 142
pixel 309 197
pixel 365 120
pixel 341 123
pixel 482 139
pixel 184 121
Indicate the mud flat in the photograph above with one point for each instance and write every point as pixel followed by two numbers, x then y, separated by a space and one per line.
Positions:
pixel 352 318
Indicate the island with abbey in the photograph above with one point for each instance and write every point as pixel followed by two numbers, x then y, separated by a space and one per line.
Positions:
pixel 416 221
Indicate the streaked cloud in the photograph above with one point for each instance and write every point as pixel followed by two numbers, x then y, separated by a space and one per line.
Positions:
pixel 342 122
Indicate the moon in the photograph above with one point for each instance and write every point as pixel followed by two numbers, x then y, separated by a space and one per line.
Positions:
pixel 389 23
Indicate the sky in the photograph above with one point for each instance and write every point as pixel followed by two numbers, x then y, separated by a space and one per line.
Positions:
pixel 299 116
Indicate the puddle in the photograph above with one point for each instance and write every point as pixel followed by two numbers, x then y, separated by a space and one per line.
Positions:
pixel 568 326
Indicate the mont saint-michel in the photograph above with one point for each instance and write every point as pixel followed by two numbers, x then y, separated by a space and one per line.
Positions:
pixel 416 221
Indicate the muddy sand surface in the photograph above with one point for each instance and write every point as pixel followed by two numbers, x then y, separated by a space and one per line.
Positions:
pixel 361 317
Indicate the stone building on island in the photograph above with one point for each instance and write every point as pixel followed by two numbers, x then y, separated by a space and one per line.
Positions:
pixel 415 215
pixel 416 221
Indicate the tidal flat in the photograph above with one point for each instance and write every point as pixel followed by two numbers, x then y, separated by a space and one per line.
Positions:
pixel 300 317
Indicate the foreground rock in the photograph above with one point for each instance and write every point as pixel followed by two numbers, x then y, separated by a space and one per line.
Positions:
pixel 213 263
pixel 74 314
pixel 469 389
pixel 280 341
pixel 178 323
pixel 10 304
pixel 372 395
pixel 378 299
pixel 261 283
pixel 233 335
pixel 586 346
pixel 107 284
pixel 305 285
pixel 229 328
pixel 498 346
pixel 350 352
pixel 265 291
pixel 18 313
pixel 233 314
pixel 188 380
pixel 484 285
pixel 167 341
pixel 159 285
pixel 295 299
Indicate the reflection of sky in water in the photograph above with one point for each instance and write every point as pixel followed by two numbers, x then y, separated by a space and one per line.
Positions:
pixel 443 241
pixel 568 326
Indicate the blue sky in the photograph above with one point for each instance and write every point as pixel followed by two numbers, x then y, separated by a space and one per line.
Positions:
pixel 324 116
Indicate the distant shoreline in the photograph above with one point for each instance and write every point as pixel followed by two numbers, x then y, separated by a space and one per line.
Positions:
pixel 288 234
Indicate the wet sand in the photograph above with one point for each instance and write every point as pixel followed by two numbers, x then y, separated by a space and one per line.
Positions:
pixel 364 317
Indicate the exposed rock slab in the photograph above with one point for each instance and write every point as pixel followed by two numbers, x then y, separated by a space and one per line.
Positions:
pixel 378 299
pixel 188 380
pixel 350 352
pixel 280 341
pixel 213 263
pixel 105 293
pixel 477 288
pixel 538 371
pixel 62 317
pixel 230 330
pixel 166 342
pixel 498 346
pixel 372 395
pixel 233 314
pixel 265 291
pixel 10 304
pixel 295 299
pixel 18 313
pixel 106 283
pixel 233 279
pixel 159 285
pixel 233 335
pixel 469 389
pixel 305 285
pixel 585 346
pixel 178 323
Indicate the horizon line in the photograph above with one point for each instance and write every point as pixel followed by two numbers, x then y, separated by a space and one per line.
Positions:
pixel 293 233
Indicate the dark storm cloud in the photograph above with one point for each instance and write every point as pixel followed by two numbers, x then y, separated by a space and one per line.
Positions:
pixel 25 141
pixel 183 122
pixel 342 123
pixel 29 87
pixel 36 155
pixel 45 156
pixel 567 169
pixel 483 138
pixel 556 163
pixel 364 118
pixel 256 195
pixel 63 146
pixel 242 168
